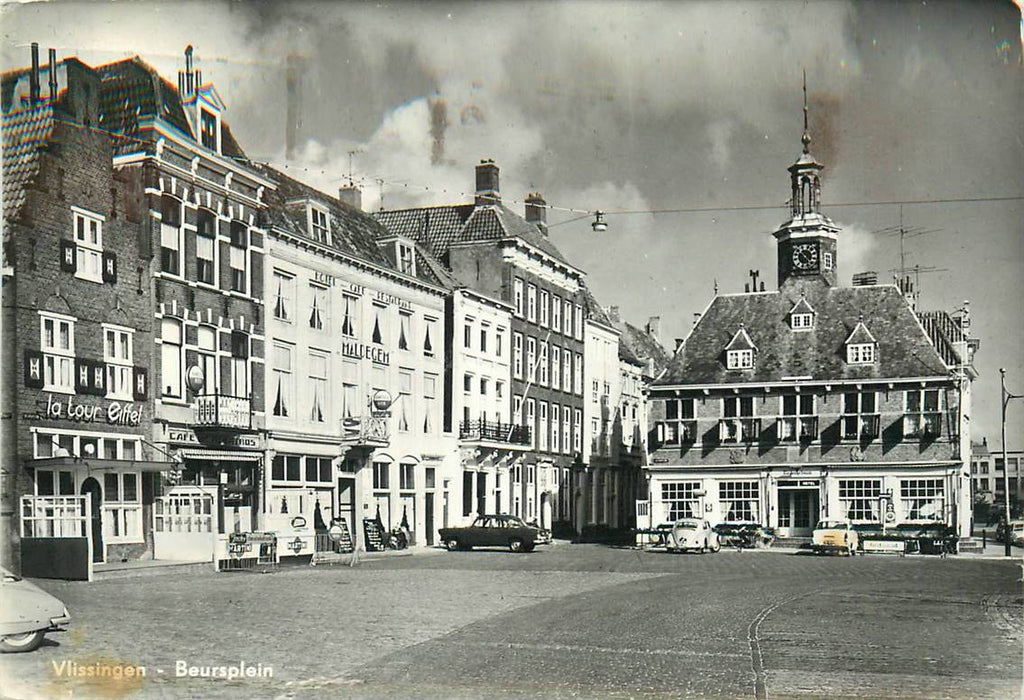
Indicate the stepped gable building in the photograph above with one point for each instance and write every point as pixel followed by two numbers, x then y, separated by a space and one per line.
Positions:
pixel 814 401
pixel 204 250
pixel 79 475
pixel 507 257
pixel 352 312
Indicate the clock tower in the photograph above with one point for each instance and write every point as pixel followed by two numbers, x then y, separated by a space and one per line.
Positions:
pixel 807 241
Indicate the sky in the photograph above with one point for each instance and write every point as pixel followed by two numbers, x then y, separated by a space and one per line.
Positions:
pixel 637 108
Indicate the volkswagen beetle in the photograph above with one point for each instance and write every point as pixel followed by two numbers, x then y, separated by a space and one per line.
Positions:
pixel 27 613
pixel 692 534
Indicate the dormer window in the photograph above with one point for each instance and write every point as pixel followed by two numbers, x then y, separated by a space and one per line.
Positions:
pixel 739 359
pixel 801 316
pixel 406 259
pixel 319 224
pixel 861 346
pixel 208 130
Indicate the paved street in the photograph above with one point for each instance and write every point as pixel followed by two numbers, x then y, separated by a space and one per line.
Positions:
pixel 565 621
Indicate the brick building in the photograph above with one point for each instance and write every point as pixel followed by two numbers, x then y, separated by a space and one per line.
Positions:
pixel 78 332
pixel 814 401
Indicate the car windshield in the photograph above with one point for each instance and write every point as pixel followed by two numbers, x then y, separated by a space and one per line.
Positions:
pixel 686 524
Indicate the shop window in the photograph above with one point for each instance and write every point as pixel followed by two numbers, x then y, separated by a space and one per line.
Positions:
pixel 798 422
pixel 171 357
pixel 170 235
pixel 284 296
pixel 318 386
pixel 922 499
pixel 922 416
pixel 57 342
pixel 859 499
pixel 206 243
pixel 118 356
pixel 860 415
pixel 680 500
pixel 88 245
pixel 283 379
pixel 739 501
pixel 122 508
pixel 238 257
pixel 680 425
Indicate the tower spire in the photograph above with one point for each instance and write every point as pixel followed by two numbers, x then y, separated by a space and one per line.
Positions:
pixel 806 138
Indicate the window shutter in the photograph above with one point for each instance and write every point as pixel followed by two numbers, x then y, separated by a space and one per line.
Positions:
pixel 109 267
pixel 99 378
pixel 68 255
pixel 83 374
pixel 33 369
pixel 140 390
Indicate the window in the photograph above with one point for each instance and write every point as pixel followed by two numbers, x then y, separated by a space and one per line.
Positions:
pixel 89 246
pixel 118 354
pixel 404 329
pixel 407 477
pixel 556 313
pixel 922 499
pixel 859 499
pixel 566 370
pixel 922 417
pixel 467 383
pixel 318 386
pixel 679 426
pixel 239 363
pixel 349 321
pixel 545 307
pixel 428 334
pixel 531 358
pixel 319 225
pixel 381 472
pixel 531 419
pixel 319 307
pixel 499 344
pixel 57 342
pixel 206 356
pixel 483 339
pixel 284 296
pixel 801 322
pixel 429 477
pixel 567 318
pixel 483 386
pixel 860 417
pixel 544 366
pixel 53 483
pixel 556 367
pixel 518 286
pixel 798 422
pixel 239 256
pixel 738 422
pixel 283 380
pixel 566 430
pixel 542 429
pixel 286 468
pixel 467 334
pixel 739 501
pixel 517 355
pixel 319 470
pixel 379 324
pixel 429 401
pixel 739 359
pixel 680 499
pixel 531 302
pixel 122 507
pixel 517 409
pixel 208 130
pixel 405 417
pixel 206 244
pixel 555 427
pixel 577 434
pixel 827 261
pixel 406 259
pixel 170 235
pixel 499 389
pixel 578 315
pixel 578 374
pixel 350 406
pixel 171 357
pixel 860 353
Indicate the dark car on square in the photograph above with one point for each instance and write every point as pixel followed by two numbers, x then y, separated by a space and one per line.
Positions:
pixel 495 531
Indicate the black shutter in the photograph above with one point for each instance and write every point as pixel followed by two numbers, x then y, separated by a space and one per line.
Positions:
pixel 33 369
pixel 68 255
pixel 83 374
pixel 109 267
pixel 99 378
pixel 140 390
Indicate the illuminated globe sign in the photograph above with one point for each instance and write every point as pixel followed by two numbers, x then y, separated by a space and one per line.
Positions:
pixel 380 402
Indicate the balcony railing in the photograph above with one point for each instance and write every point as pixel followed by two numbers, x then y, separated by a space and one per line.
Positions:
pixel 493 431
pixel 223 411
pixel 368 431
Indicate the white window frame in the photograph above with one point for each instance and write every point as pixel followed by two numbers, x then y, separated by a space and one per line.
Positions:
pixel 211 242
pixel 120 369
pixel 577 434
pixel 567 318
pixel 542 427
pixel 405 258
pixel 862 497
pixel 318 219
pixel 556 367
pixel 800 424
pixel 578 316
pixel 284 296
pixel 556 313
pixel 518 296
pixel 578 374
pixel 120 513
pixel 860 354
pixel 350 316
pixel 165 371
pixel 827 261
pixel 531 302
pixel 802 322
pixel 913 493
pixel 517 355
pixel 739 501
pixel 284 387
pixel 739 359
pixel 58 362
pixel 545 308
pixel 556 427
pixel 531 358
pixel 319 307
pixel 429 402
pixel 88 253
pixel 320 398
pixel 239 255
pixel 168 232
pixel 544 363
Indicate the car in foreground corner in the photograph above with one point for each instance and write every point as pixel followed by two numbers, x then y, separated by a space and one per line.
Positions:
pixel 694 535
pixel 835 537
pixel 495 531
pixel 27 613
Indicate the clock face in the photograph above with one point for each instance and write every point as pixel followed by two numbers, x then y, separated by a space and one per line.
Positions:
pixel 805 256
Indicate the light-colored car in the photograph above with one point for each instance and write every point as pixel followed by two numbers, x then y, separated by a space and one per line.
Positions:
pixel 694 535
pixel 27 613
pixel 835 536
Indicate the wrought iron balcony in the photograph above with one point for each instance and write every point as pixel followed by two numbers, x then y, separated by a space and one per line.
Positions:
pixel 493 431
pixel 365 431
pixel 221 411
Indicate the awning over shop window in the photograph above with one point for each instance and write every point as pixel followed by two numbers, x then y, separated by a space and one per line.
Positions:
pixel 221 455
pixel 70 463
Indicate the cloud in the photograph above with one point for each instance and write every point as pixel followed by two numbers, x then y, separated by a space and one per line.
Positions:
pixel 857 250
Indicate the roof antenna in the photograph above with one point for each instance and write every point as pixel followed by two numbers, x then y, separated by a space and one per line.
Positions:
pixel 351 178
pixel 380 183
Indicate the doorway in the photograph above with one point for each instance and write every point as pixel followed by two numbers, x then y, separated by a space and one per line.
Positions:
pixel 798 511
pixel 347 502
pixel 92 487
pixel 428 517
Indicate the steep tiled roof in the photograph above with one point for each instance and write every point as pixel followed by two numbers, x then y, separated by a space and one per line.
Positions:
pixel 25 134
pixel 593 311
pixel 904 349
pixel 638 346
pixel 133 91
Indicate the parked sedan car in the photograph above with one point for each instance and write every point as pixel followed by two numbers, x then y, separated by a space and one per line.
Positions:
pixel 494 531
pixel 1016 530
pixel 692 534
pixel 836 536
pixel 27 613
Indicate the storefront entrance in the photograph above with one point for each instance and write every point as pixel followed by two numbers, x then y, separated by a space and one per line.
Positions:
pixel 92 487
pixel 798 510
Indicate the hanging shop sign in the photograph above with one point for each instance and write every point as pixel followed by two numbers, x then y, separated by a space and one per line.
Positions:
pixel 187 436
pixel 112 412
pixel 357 350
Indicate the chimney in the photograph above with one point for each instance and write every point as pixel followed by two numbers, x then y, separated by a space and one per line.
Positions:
pixel 351 194
pixel 654 326
pixel 679 343
pixel 613 311
pixel 863 279
pixel 537 212
pixel 696 318
pixel 487 191
pixel 53 75
pixel 33 78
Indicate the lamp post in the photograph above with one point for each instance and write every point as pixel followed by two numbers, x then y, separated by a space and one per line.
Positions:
pixel 1004 399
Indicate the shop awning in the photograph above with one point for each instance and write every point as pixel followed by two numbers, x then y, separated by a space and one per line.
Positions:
pixel 221 455
pixel 68 463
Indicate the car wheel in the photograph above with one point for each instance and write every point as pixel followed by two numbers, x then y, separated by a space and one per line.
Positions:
pixel 716 546
pixel 515 545
pixel 14 643
pixel 452 544
pixel 529 547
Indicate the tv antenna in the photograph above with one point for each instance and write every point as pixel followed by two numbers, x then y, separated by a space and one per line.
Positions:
pixel 904 233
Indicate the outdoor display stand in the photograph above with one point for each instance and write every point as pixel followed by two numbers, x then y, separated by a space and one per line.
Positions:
pixel 332 544
pixel 373 535
pixel 248 551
